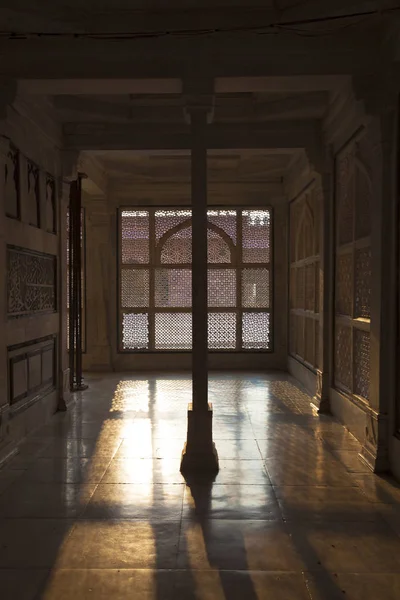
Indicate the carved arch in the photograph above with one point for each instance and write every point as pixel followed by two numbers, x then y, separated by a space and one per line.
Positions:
pixel 185 225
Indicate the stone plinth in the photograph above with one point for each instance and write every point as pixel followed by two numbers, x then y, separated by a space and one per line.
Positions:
pixel 199 452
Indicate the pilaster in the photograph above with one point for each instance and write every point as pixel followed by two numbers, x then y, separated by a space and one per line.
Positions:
pixel 321 161
pixel 4 148
pixel 380 104
pixel 100 253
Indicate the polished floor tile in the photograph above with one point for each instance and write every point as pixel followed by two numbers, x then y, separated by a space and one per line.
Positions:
pixel 22 584
pixel 153 502
pixel 237 545
pixel 47 500
pixel 352 547
pixel 67 470
pixel 32 543
pixel 230 502
pixel 311 470
pixel 239 585
pixel 120 545
pixel 94 505
pixel 109 584
pixel 353 586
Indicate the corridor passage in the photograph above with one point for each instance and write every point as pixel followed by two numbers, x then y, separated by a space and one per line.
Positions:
pixel 94 505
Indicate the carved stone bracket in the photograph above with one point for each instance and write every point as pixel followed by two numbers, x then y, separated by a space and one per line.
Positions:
pixel 69 164
pixel 198 96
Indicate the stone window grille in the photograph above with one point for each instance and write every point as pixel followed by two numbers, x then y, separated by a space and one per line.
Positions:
pixel 352 272
pixel 155 280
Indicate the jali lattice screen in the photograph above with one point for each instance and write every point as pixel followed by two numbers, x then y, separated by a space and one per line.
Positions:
pixel 353 270
pixel 305 277
pixel 155 283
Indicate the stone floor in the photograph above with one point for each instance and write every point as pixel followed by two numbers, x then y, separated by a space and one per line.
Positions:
pixel 94 505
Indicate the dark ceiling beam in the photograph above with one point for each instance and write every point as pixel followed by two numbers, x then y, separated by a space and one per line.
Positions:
pixel 108 136
pixel 230 55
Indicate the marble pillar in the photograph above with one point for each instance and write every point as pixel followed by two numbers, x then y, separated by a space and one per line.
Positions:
pixel 199 453
pixel 326 289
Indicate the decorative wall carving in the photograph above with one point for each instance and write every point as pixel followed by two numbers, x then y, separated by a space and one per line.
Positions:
pixel 353 269
pixel 33 198
pixel 31 282
pixel 361 353
pixel 11 184
pixel 304 276
pixel 50 204
pixel 32 369
pixel 343 357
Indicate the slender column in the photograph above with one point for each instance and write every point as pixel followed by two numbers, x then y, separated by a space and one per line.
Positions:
pixel 75 287
pixel 4 148
pixel 199 261
pixel 199 453
pixel 375 451
pixel 325 292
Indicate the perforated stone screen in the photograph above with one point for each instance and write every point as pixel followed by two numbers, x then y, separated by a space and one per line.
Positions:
pixel 305 277
pixel 155 280
pixel 353 274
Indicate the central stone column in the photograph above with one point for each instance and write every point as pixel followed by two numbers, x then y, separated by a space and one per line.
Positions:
pixel 199 453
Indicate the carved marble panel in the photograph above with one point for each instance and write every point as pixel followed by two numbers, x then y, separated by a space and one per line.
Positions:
pixel 50 204
pixel 361 353
pixel 33 197
pixel 363 203
pixel 32 371
pixel 344 284
pixel 31 282
pixel 345 196
pixel 363 280
pixel 343 357
pixel 11 184
pixel 309 333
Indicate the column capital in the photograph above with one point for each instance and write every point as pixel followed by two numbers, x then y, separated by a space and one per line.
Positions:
pixel 319 155
pixel 199 98
pixel 69 164
pixel 199 104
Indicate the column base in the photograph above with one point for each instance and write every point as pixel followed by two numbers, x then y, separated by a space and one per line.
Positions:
pixel 199 452
pixel 321 402
pixel 374 452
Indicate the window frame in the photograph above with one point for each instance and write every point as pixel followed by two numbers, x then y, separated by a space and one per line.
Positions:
pixel 236 264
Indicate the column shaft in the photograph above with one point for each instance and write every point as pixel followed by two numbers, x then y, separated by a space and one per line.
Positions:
pixel 199 261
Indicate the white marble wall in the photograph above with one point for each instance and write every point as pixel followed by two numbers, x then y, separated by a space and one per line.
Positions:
pixel 20 129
